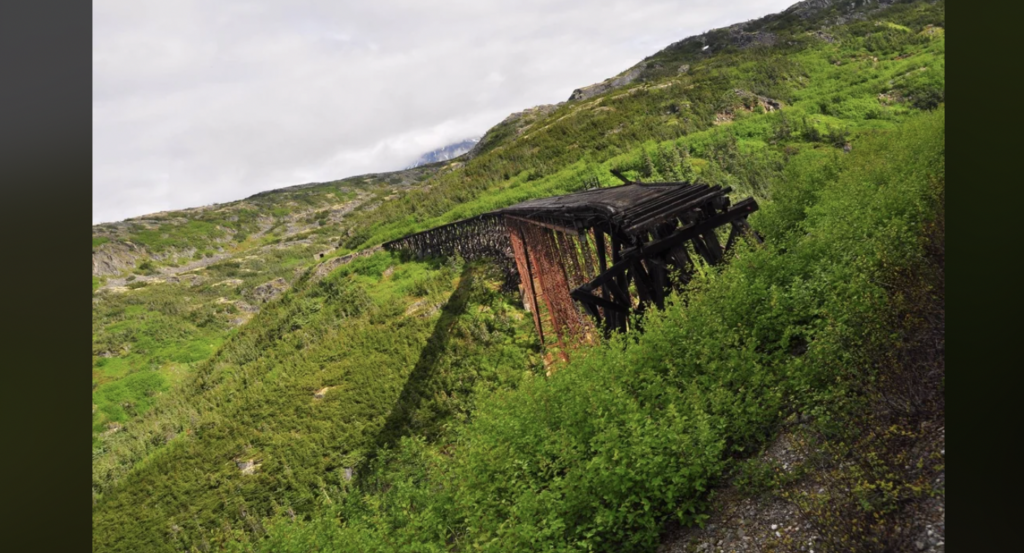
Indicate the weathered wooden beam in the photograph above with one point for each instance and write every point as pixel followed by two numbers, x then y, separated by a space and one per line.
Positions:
pixel 552 226
pixel 644 286
pixel 667 212
pixel 713 246
pixel 621 296
pixel 611 321
pixel 621 279
pixel 588 306
pixel 681 197
pixel 740 210
pixel 620 176
pixel 733 233
pixel 598 301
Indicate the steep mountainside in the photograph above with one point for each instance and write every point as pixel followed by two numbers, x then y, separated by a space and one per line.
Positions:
pixel 446 153
pixel 264 378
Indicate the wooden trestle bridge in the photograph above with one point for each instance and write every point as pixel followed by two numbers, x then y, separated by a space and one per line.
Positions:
pixel 589 259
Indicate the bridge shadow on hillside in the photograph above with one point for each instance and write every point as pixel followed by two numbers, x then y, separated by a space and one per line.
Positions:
pixel 421 384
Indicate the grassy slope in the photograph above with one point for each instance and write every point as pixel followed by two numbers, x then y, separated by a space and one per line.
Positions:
pixel 636 431
pixel 149 334
pixel 552 460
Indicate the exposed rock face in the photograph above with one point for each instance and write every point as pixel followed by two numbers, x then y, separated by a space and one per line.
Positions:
pixel 749 34
pixel 245 307
pixel 446 153
pixel 269 290
pixel 114 258
pixel 619 81
pixel 247 467
pixel 822 35
pixel 749 40
pixel 768 104
pixel 415 306
pixel 423 308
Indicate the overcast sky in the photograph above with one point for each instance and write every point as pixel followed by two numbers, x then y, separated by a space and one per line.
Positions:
pixel 198 102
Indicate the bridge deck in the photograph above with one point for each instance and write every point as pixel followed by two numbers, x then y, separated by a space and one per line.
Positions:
pixel 633 207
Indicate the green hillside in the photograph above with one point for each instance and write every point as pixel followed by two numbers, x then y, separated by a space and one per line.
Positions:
pixel 251 394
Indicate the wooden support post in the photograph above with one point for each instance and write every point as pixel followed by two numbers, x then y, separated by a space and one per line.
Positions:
pixel 702 249
pixel 733 234
pixel 620 280
pixel 644 286
pixel 681 259
pixel 611 318
pixel 713 246
pixel 522 253
pixel 588 305
pixel 656 268
pixel 744 226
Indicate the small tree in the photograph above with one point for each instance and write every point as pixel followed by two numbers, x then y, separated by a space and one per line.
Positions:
pixel 673 164
pixel 686 170
pixel 647 171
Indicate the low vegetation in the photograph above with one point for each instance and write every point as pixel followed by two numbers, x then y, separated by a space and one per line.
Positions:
pixel 399 404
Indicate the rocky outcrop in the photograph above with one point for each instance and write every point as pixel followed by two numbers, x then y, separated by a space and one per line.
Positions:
pixel 269 290
pixel 114 258
pixel 823 36
pixel 618 81
pixel 248 466
pixel 446 153
pixel 766 103
pixel 423 308
pixel 749 34
pixel 245 307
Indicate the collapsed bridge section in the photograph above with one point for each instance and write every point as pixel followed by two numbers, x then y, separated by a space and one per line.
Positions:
pixel 590 259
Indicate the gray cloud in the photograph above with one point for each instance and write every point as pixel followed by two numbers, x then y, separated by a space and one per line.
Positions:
pixel 201 102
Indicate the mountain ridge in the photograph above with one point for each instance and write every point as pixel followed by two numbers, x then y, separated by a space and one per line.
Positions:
pixel 446 153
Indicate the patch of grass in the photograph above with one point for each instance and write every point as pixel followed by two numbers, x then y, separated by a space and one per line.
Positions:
pixel 127 397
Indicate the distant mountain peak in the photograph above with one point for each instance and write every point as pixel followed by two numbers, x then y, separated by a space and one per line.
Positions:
pixel 446 153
